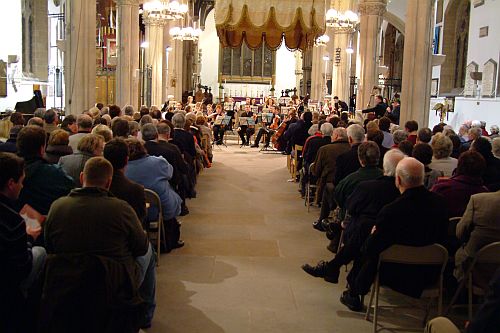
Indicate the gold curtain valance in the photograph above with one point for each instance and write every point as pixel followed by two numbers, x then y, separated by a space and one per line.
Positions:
pixel 298 23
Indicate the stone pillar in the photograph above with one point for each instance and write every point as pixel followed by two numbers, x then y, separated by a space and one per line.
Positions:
pixel 417 62
pixel 176 69
pixel 80 56
pixel 154 55
pixel 340 73
pixel 371 15
pixel 167 42
pixel 306 71
pixel 127 44
pixel 318 69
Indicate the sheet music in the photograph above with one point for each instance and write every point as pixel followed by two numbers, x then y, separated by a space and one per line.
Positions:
pixel 218 120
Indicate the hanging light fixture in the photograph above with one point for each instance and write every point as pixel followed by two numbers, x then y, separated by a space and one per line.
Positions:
pixel 164 10
pixel 342 22
pixel 189 32
pixel 322 41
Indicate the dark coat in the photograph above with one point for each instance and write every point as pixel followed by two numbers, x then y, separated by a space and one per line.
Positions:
pixel 417 218
pixel 129 191
pixel 89 293
pixel 15 251
pixel 379 110
pixel 185 141
pixel 54 152
pixel 365 203
pixel 9 146
pixel 312 147
pixel 347 163
pixel 172 154
pixel 44 183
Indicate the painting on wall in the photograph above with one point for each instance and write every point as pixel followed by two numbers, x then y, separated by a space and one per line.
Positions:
pixel 3 78
pixel 434 87
pixel 110 52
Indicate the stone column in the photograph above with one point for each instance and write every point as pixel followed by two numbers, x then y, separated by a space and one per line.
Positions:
pixel 80 56
pixel 306 71
pixel 176 69
pixel 340 73
pixel 127 44
pixel 318 69
pixel 417 62
pixel 154 55
pixel 371 15
pixel 167 64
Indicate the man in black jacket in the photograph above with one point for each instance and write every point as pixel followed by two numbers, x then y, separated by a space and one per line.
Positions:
pixel 182 139
pixel 116 152
pixel 171 153
pixel 339 105
pixel 21 263
pixel 417 218
pixel 379 109
pixel 362 207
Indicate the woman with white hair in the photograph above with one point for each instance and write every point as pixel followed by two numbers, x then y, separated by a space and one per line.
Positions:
pixel 442 147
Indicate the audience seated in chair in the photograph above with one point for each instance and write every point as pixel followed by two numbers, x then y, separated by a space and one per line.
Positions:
pixel 44 182
pixel 57 146
pixel 116 152
pixel 22 263
pixel 362 207
pixel 479 226
pixel 467 181
pixel 84 124
pixel 92 225
pixel 422 152
pixel 491 176
pixel 154 173
pixel 346 163
pixel 417 218
pixel 89 146
pixel 442 148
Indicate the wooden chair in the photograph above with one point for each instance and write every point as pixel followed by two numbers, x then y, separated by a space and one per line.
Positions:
pixel 155 226
pixel 295 161
pixel 310 186
pixel 485 263
pixel 411 255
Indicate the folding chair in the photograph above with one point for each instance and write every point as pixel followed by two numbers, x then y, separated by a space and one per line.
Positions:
pixel 309 186
pixel 153 200
pixel 411 255
pixel 485 263
pixel 295 161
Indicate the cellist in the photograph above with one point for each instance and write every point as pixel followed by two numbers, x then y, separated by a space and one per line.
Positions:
pixel 277 139
pixel 269 130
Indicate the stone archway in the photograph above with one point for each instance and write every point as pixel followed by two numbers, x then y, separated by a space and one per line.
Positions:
pixel 455 43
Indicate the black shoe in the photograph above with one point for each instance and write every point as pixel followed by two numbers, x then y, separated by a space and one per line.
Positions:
pixel 318 226
pixel 334 245
pixel 353 302
pixel 316 271
pixel 255 145
pixel 180 243
pixel 184 211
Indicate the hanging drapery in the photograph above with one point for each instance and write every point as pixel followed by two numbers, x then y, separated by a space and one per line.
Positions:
pixel 296 22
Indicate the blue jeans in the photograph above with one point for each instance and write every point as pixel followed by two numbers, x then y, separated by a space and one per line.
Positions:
pixel 38 262
pixel 147 263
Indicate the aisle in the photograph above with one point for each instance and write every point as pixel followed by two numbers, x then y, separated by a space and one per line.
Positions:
pixel 246 237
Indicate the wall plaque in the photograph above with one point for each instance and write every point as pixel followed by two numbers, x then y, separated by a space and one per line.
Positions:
pixel 478 3
pixel 470 83
pixel 489 79
pixel 3 78
pixel 483 32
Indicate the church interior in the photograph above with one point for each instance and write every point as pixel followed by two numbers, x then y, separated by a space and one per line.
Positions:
pixel 250 166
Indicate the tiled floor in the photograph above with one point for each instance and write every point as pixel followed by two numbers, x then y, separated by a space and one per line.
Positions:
pixel 246 237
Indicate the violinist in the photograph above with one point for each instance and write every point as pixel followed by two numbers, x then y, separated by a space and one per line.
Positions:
pixel 219 128
pixel 269 130
pixel 339 105
pixel 245 129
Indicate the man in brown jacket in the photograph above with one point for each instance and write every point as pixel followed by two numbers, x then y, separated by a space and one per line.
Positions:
pixel 479 226
pixel 326 158
pixel 91 221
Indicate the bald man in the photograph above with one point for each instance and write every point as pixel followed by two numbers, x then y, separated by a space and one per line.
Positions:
pixel 417 218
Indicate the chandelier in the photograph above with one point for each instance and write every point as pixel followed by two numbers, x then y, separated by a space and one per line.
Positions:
pixel 321 41
pixel 187 33
pixel 342 22
pixel 165 10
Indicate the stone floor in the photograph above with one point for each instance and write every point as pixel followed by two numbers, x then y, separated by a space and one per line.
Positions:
pixel 246 237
